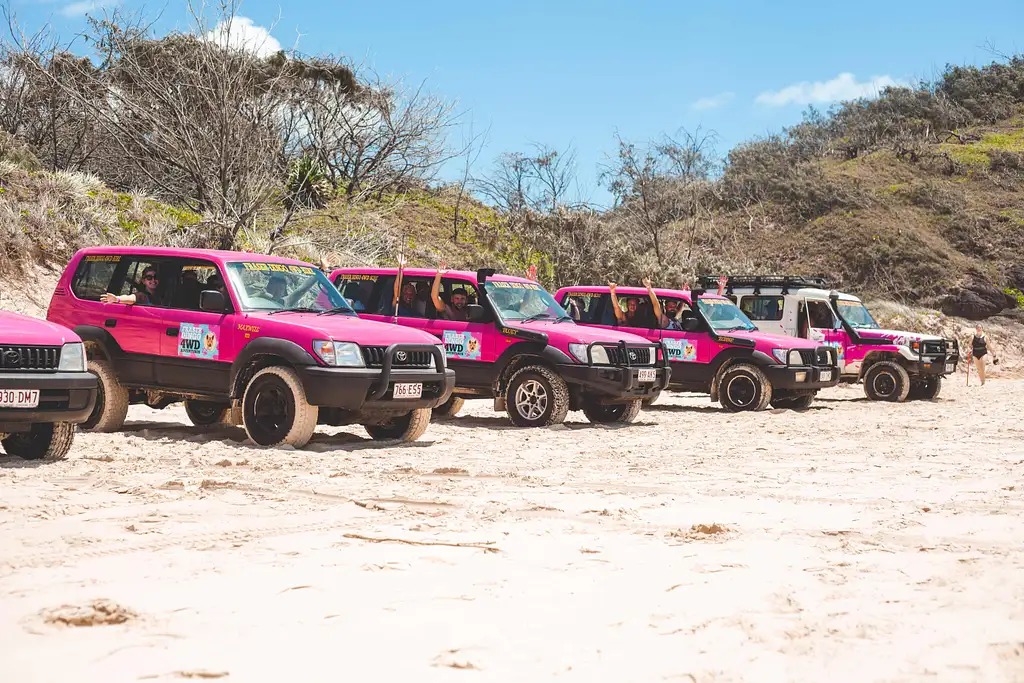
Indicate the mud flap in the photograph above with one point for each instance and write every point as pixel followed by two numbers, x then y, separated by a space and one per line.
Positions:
pixel 499 404
pixel 714 389
pixel 234 414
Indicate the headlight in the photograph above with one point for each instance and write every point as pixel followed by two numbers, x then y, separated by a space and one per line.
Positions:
pixel 780 355
pixel 340 354
pixel 598 353
pixel 792 354
pixel 72 358
pixel 915 347
pixel 795 358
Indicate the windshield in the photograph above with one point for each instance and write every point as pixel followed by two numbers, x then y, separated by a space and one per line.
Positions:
pixel 856 315
pixel 275 286
pixel 523 301
pixel 723 315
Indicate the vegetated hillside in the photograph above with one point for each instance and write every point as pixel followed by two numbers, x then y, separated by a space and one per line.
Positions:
pixel 910 228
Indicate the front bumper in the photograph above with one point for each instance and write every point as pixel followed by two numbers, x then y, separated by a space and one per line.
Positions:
pixel 357 389
pixel 795 377
pixel 616 384
pixel 934 366
pixel 63 397
pixel 823 362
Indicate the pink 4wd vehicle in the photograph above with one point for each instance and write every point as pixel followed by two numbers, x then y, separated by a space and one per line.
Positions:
pixel 44 387
pixel 516 344
pixel 894 365
pixel 260 340
pixel 713 347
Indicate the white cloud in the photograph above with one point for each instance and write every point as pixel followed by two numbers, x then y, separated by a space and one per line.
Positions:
pixel 78 9
pixel 713 102
pixel 843 87
pixel 243 34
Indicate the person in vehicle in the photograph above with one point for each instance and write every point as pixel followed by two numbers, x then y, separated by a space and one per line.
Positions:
pixel 635 315
pixel 277 289
pixel 216 282
pixel 457 309
pixel 404 297
pixel 147 292
pixel 187 294
pixel 670 318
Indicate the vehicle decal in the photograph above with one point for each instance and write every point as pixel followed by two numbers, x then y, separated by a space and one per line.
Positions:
pixel 681 349
pixel 582 294
pixel 277 267
pixel 103 257
pixel 502 284
pixel 199 341
pixel 461 345
pixel 838 346
pixel 348 278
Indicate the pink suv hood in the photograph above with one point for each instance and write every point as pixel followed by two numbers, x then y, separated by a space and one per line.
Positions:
pixel 578 334
pixel 340 328
pixel 778 341
pixel 898 337
pixel 21 329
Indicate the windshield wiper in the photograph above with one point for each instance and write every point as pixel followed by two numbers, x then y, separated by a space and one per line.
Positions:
pixel 296 309
pixel 338 309
pixel 565 319
pixel 539 316
pixel 737 327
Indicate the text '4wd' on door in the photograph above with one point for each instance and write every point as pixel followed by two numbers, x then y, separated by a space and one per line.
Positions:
pixel 260 340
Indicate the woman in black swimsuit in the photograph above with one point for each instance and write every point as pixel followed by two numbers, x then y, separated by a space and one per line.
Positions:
pixel 979 349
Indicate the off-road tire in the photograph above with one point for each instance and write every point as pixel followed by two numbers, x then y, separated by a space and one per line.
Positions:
pixel 111 408
pixel 550 390
pixel 606 414
pixel 793 401
pixel 205 413
pixel 404 428
pixel 887 381
pixel 925 388
pixel 449 408
pixel 46 441
pixel 651 401
pixel 286 417
pixel 744 387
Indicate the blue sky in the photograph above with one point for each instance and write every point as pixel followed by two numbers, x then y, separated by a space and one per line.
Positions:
pixel 575 73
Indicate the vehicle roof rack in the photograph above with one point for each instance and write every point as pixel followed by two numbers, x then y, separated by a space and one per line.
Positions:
pixel 784 282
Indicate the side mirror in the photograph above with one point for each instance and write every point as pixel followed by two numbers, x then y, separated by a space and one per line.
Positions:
pixel 475 313
pixel 691 324
pixel 211 301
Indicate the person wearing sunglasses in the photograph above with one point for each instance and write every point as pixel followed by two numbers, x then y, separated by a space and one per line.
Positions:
pixel 146 293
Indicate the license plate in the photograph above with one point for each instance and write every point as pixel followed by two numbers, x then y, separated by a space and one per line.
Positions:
pixel 950 367
pixel 408 390
pixel 825 376
pixel 647 375
pixel 19 398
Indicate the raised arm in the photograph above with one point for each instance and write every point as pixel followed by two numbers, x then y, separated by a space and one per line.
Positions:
pixel 398 281
pixel 654 300
pixel 620 317
pixel 435 290
pixel 109 298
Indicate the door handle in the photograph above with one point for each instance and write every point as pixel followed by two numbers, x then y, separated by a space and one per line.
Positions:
pixel 109 322
pixel 172 331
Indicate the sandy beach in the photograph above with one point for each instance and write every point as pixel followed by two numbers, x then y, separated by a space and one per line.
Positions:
pixel 853 542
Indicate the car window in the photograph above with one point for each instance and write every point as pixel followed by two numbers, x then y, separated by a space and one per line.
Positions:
pixel 763 307
pixel 190 279
pixel 131 279
pixel 820 315
pixel 582 306
pixel 357 288
pixel 93 276
pixel 450 286
pixel 413 297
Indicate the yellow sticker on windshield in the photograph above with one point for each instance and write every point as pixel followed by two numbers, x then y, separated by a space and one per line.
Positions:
pixel 504 284
pixel 348 277
pixel 277 267
pixel 103 257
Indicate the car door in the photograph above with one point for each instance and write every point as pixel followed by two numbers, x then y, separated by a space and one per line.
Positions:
pixel 135 327
pixel 823 327
pixel 196 346
pixel 470 347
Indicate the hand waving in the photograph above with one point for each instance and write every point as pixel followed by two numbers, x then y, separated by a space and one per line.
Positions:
pixel 646 282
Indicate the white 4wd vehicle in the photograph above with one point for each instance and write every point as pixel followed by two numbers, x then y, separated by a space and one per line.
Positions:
pixel 893 365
